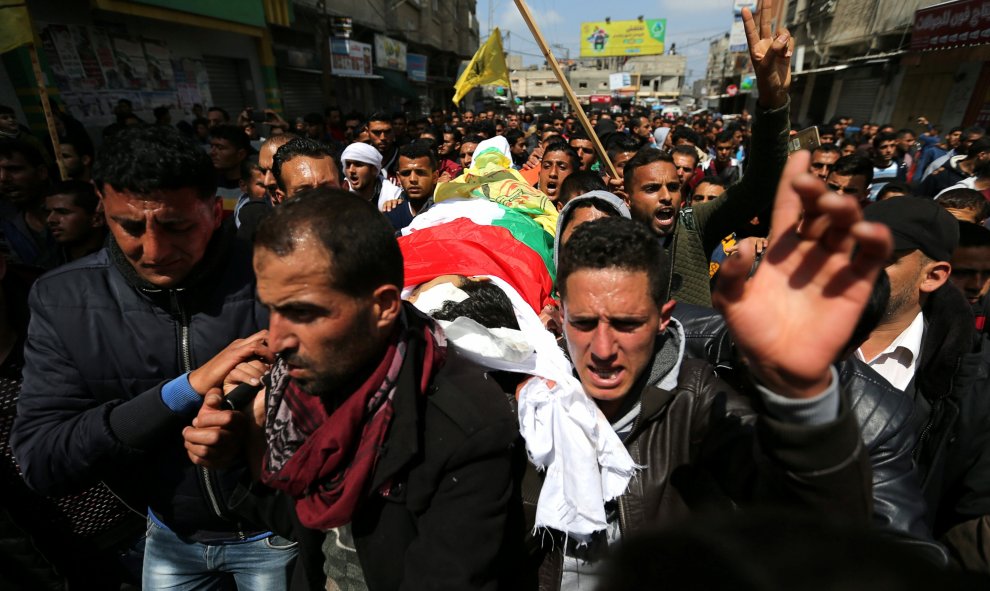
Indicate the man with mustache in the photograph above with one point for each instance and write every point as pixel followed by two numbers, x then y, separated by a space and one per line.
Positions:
pixel 690 234
pixel 380 439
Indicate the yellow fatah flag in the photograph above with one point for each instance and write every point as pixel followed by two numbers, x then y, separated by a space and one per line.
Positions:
pixel 15 25
pixel 486 67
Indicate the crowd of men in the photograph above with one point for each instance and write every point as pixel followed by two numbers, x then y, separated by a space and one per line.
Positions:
pixel 463 351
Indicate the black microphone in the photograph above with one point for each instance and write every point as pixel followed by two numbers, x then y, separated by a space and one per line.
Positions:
pixel 240 397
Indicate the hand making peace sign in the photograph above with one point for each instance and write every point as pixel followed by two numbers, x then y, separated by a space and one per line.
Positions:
pixel 771 55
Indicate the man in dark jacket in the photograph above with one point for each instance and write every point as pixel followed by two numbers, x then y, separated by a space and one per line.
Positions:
pixel 927 346
pixel 123 345
pixel 693 434
pixel 886 419
pixel 380 439
pixel 691 234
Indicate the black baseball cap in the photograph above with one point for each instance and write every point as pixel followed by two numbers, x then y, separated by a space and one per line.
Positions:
pixel 917 223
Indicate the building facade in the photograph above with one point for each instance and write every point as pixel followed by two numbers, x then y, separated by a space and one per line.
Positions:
pixel 860 59
pixel 726 74
pixel 279 54
pixel 651 80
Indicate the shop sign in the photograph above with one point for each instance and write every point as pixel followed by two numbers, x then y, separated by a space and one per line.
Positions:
pixel 955 24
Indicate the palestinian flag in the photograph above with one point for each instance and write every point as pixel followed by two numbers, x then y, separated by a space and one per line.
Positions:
pixel 462 247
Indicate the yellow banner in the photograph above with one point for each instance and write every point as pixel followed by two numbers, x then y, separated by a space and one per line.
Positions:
pixel 623 38
pixel 486 67
pixel 15 25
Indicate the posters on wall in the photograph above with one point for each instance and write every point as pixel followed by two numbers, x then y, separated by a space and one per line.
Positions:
pixel 95 68
pixel 416 67
pixel 160 74
pixel 351 58
pixel 130 57
pixel 390 53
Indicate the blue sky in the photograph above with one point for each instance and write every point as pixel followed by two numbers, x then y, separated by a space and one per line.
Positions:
pixel 689 22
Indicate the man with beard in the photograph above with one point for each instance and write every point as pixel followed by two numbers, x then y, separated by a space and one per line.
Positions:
pixel 654 188
pixel 383 139
pixel 111 405
pixel 418 175
pixel 641 131
pixel 924 346
pixel 363 171
pixel 382 440
pixel 449 142
pixel 78 159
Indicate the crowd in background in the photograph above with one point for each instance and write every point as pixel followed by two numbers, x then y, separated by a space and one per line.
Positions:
pixel 720 324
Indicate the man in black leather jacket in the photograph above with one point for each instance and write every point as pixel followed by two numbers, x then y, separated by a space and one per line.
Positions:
pixel 886 418
pixel 122 347
pixel 929 323
pixel 702 446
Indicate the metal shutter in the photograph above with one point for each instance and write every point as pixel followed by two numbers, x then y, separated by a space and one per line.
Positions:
pixel 227 76
pixel 302 92
pixel 858 98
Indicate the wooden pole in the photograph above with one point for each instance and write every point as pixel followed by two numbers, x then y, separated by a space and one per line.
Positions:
pixel 47 108
pixel 780 16
pixel 568 91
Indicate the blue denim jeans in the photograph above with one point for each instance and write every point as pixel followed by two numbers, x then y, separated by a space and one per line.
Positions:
pixel 172 563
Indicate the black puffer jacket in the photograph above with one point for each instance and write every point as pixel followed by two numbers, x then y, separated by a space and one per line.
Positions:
pixel 100 345
pixel 886 419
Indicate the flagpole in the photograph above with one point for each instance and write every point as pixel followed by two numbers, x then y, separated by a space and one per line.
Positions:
pixel 568 91
pixel 47 109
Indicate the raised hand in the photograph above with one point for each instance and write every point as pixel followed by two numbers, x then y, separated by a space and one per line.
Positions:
pixel 771 55
pixel 795 315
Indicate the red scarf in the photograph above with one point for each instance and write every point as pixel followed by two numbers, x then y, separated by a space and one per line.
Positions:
pixel 325 462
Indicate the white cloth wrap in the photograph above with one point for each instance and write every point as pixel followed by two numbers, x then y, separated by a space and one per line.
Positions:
pixel 566 434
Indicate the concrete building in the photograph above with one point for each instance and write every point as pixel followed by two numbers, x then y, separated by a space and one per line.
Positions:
pixel 652 78
pixel 536 84
pixel 96 53
pixel 862 59
pixel 442 32
pixel 725 91
pixel 280 54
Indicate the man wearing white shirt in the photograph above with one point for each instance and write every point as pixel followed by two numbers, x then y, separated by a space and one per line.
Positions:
pixel 363 172
pixel 928 346
pixel 924 237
